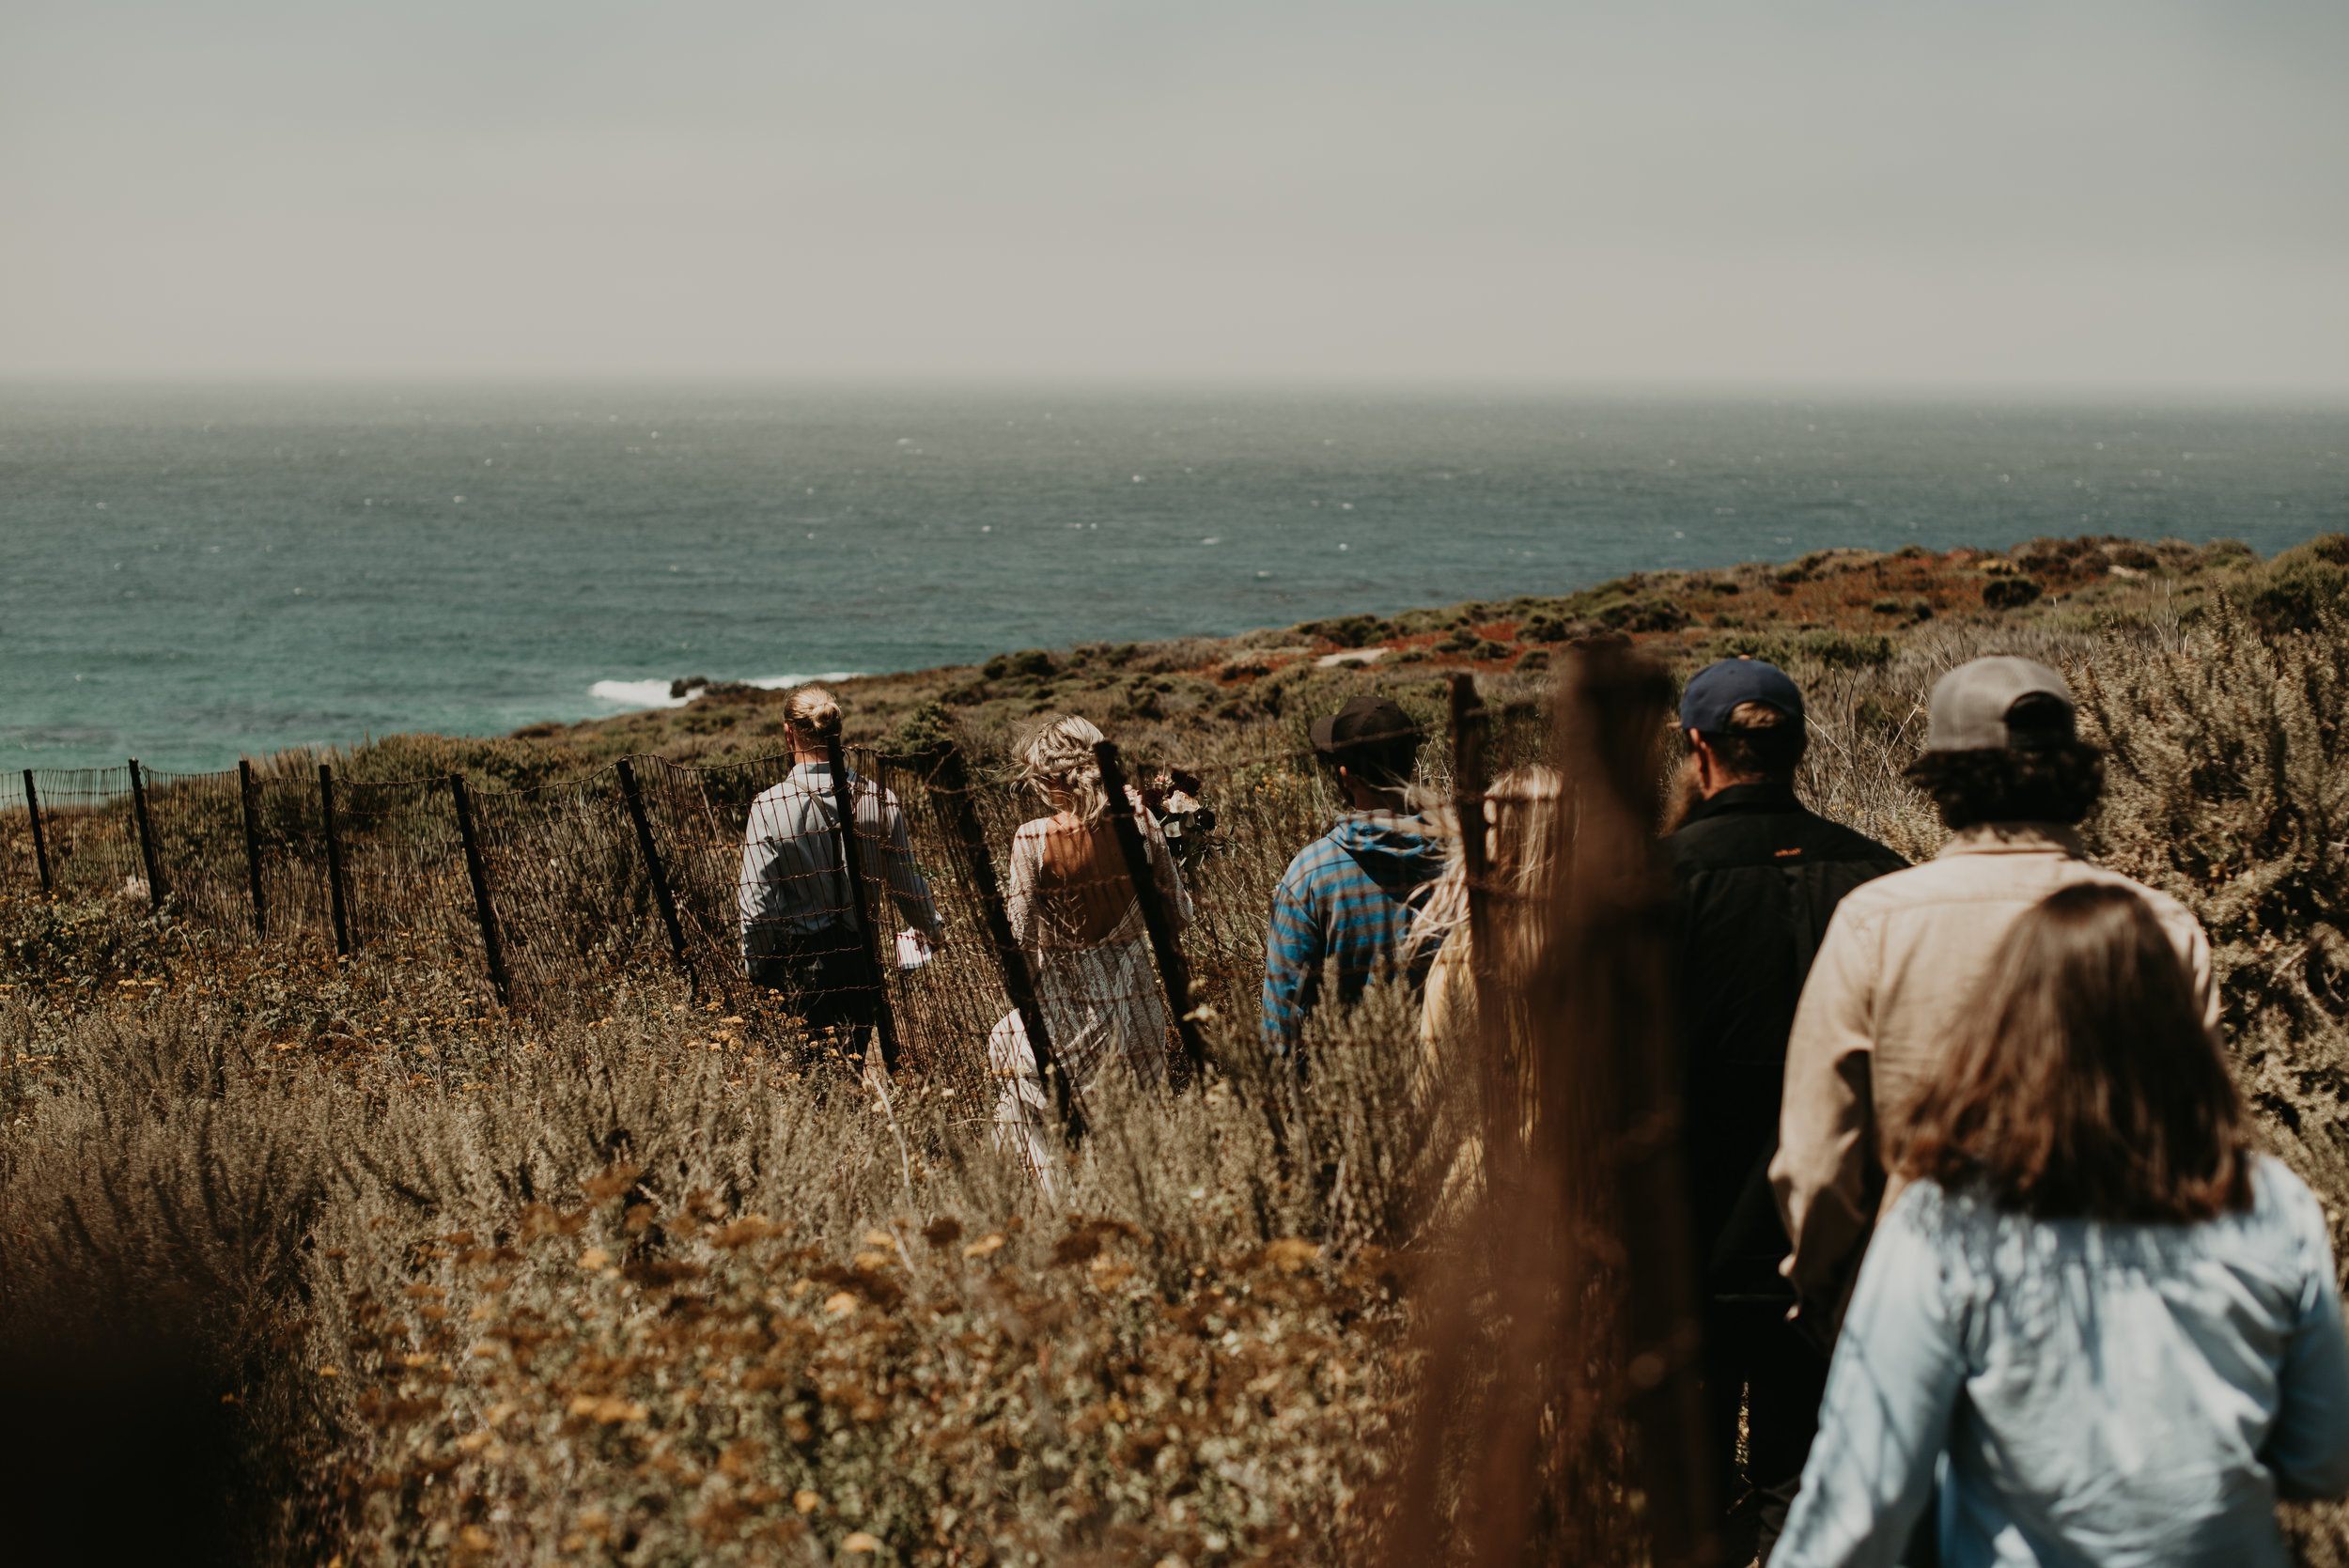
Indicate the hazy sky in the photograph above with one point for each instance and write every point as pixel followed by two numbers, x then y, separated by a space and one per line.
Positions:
pixel 2119 195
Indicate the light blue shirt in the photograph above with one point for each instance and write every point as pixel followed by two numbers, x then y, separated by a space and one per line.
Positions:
pixel 2105 1394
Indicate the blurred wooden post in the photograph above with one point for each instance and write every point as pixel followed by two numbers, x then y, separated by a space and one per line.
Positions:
pixel 1503 1116
pixel 333 861
pixel 1615 978
pixel 1156 916
pixel 851 864
pixel 146 837
pixel 40 840
pixel 949 784
pixel 660 895
pixel 253 846
pixel 494 950
pixel 1594 1196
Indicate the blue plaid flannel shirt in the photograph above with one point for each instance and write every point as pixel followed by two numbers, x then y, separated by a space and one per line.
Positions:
pixel 1350 895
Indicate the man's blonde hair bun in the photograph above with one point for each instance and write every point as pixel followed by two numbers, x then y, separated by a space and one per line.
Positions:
pixel 814 712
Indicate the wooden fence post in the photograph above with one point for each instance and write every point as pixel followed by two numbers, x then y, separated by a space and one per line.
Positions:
pixel 253 846
pixel 844 809
pixel 333 862
pixel 1467 806
pixel 40 840
pixel 1155 917
pixel 660 895
pixel 949 784
pixel 491 948
pixel 146 837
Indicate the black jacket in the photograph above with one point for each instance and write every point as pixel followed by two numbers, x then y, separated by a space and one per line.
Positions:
pixel 1756 877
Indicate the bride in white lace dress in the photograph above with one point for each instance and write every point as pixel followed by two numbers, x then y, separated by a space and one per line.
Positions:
pixel 1074 915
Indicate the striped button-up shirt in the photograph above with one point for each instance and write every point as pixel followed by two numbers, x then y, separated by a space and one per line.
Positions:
pixel 793 884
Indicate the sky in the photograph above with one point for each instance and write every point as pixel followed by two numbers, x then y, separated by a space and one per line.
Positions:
pixel 2140 196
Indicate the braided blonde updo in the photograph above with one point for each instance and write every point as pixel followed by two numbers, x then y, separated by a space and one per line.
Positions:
pixel 1057 761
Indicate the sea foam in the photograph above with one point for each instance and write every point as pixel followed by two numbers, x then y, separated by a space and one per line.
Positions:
pixel 655 694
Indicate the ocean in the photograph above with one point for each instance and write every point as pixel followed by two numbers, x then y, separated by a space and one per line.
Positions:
pixel 187 573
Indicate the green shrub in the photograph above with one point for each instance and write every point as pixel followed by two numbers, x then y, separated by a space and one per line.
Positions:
pixel 1027 662
pixel 1347 631
pixel 2008 593
pixel 2296 590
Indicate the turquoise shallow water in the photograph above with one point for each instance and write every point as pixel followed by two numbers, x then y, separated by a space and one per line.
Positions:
pixel 187 574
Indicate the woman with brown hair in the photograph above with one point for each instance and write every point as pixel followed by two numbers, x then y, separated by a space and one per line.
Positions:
pixel 2113 1326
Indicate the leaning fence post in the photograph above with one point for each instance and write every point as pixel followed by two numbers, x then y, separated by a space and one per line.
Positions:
pixel 949 785
pixel 1156 918
pixel 146 837
pixel 491 948
pixel 660 895
pixel 253 846
pixel 40 840
pixel 1467 806
pixel 333 861
pixel 844 809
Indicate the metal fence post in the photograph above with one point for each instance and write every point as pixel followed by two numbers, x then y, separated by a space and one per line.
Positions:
pixel 844 808
pixel 1172 968
pixel 949 784
pixel 40 840
pixel 253 846
pixel 661 894
pixel 333 861
pixel 491 948
pixel 1468 805
pixel 146 837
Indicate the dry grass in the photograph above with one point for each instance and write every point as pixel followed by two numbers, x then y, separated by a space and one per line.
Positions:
pixel 640 1275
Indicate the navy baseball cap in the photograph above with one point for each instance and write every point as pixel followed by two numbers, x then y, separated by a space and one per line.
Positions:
pixel 1713 692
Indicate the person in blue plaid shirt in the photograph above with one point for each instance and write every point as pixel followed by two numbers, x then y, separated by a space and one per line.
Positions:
pixel 1349 896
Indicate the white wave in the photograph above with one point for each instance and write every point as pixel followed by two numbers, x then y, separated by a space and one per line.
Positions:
pixel 635 693
pixel 655 694
pixel 778 683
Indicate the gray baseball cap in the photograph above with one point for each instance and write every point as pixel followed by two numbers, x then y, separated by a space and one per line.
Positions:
pixel 1973 705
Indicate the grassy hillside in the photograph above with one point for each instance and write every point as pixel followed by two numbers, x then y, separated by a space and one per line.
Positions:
pixel 1838 607
pixel 364 1267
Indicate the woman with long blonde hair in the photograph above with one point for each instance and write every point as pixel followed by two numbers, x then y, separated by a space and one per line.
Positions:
pixel 1524 832
pixel 1075 914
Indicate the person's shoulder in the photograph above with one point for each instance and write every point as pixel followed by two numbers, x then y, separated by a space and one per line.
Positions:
pixel 1719 843
pixel 1828 839
pixel 859 781
pixel 2280 1197
pixel 775 794
pixel 1927 1215
pixel 1318 855
pixel 1900 887
pixel 1765 836
pixel 2184 928
pixel 2167 908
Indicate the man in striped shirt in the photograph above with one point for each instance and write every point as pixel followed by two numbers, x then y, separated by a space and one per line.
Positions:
pixel 1349 896
pixel 802 930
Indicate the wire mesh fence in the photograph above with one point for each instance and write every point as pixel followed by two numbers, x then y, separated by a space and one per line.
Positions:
pixel 969 925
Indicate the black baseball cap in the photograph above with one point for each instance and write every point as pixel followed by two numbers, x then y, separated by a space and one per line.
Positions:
pixel 1715 691
pixel 1363 722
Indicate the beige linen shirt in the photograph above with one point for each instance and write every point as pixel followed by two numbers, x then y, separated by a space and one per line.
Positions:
pixel 1897 969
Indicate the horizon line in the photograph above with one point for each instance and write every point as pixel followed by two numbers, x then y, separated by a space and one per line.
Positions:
pixel 1739 389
